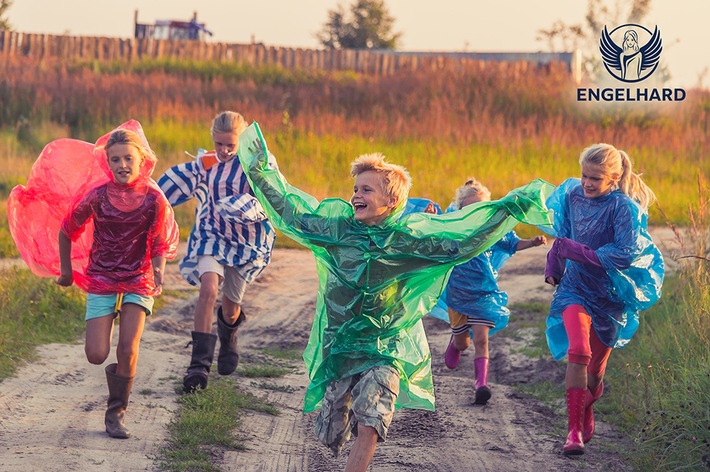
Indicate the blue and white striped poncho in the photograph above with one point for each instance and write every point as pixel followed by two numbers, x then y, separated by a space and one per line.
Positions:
pixel 230 223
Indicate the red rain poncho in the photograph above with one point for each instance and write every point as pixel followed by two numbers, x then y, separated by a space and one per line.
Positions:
pixel 115 229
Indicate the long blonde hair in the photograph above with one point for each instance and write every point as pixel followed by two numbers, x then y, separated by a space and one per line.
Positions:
pixel 396 179
pixel 615 161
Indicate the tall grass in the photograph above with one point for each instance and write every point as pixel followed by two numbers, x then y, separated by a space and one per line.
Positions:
pixel 34 311
pixel 660 384
pixel 443 125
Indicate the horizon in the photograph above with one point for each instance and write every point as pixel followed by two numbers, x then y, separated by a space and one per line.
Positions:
pixel 474 26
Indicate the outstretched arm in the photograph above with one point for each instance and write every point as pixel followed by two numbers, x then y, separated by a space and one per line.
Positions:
pixel 534 242
pixel 66 273
pixel 292 211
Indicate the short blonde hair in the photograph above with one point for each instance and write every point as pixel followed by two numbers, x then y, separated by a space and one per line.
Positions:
pixel 469 188
pixel 396 180
pixel 228 122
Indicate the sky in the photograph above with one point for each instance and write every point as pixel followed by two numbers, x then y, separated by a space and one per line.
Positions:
pixel 440 25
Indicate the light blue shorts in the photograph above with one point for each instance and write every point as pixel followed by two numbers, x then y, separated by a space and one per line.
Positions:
pixel 105 305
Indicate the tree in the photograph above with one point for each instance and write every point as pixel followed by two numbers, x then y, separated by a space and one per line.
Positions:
pixel 4 23
pixel 368 26
pixel 585 36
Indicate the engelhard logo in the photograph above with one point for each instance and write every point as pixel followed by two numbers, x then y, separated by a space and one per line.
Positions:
pixel 631 52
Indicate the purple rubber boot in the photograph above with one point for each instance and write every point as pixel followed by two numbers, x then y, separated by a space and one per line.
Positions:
pixel 452 355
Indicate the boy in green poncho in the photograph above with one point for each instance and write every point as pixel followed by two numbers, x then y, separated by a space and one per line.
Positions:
pixel 379 275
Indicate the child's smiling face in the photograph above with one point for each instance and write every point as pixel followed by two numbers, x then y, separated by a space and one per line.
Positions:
pixel 369 200
pixel 124 161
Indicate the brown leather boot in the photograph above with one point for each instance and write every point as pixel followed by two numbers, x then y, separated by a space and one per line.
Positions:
pixel 119 389
pixel 228 357
pixel 197 375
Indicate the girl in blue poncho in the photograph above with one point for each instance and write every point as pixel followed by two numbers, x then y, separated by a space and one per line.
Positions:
pixel 474 301
pixel 607 269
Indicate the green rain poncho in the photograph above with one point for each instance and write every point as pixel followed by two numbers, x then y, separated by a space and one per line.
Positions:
pixel 377 282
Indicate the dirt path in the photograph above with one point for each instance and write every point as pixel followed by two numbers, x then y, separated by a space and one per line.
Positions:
pixel 51 413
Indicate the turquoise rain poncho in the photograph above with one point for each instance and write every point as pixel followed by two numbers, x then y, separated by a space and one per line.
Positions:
pixel 630 278
pixel 377 282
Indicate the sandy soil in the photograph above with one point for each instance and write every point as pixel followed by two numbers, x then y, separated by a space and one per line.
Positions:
pixel 51 413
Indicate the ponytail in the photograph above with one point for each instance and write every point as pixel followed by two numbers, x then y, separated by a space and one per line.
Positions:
pixel 632 185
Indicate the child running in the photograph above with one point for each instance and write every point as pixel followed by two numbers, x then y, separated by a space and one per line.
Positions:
pixel 475 303
pixel 230 244
pixel 379 275
pixel 134 232
pixel 607 268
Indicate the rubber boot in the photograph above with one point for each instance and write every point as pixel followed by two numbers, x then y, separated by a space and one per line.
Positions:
pixel 483 393
pixel 590 398
pixel 119 389
pixel 452 355
pixel 228 357
pixel 203 345
pixel 575 417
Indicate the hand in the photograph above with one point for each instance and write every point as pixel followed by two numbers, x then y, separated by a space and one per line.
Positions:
pixel 540 240
pixel 158 277
pixel 258 147
pixel 65 280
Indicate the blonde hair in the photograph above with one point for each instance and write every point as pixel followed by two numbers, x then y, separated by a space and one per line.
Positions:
pixel 470 188
pixel 126 136
pixel 615 161
pixel 228 122
pixel 396 179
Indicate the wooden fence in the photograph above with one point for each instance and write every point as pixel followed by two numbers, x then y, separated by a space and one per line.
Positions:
pixel 379 62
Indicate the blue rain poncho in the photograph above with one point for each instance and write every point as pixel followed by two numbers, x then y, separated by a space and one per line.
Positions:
pixel 631 276
pixel 473 286
pixel 377 282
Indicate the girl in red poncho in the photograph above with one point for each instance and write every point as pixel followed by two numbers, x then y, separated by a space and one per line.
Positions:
pixel 134 232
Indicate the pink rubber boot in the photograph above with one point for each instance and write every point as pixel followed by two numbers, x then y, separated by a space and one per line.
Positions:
pixel 483 393
pixel 574 445
pixel 452 355
pixel 590 398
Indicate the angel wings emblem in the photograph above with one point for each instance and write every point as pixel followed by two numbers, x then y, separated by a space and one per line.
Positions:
pixel 631 62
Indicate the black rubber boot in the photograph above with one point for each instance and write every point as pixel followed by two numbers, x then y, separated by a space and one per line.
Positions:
pixel 119 389
pixel 203 345
pixel 228 357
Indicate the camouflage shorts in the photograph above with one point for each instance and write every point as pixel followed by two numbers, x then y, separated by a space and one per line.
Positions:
pixel 367 399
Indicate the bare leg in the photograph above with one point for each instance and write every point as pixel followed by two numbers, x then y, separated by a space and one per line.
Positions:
pixel 130 331
pixel 576 376
pixel 462 341
pixel 480 340
pixel 230 310
pixel 363 449
pixel 204 309
pixel 99 332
